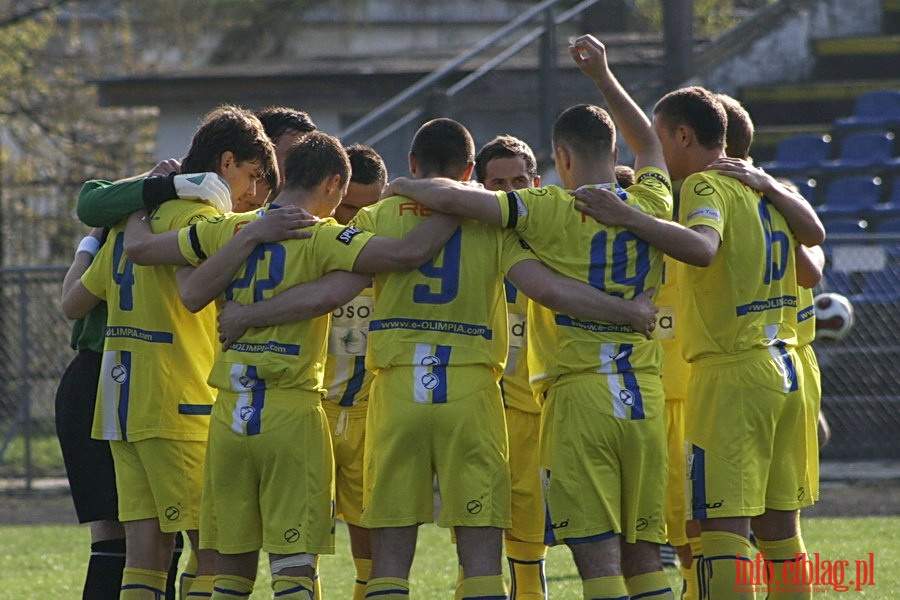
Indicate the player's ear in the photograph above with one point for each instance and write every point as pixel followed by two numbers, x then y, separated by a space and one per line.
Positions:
pixel 537 181
pixel 226 162
pixel 563 156
pixel 467 174
pixel 684 135
pixel 413 164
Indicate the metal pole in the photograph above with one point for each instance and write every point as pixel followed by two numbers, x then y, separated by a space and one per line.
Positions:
pixel 678 42
pixel 547 81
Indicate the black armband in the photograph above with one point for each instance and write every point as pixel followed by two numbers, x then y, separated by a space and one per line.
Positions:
pixel 158 189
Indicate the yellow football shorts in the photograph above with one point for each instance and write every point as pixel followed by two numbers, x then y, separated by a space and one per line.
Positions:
pixel 272 490
pixel 160 478
pixel 747 436
pixel 461 441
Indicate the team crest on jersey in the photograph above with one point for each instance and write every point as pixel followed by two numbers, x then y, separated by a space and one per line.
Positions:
pixel 654 180
pixel 706 212
pixel 347 234
pixel 119 373
pixel 702 188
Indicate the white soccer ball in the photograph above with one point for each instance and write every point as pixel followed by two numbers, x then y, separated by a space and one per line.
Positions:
pixel 834 316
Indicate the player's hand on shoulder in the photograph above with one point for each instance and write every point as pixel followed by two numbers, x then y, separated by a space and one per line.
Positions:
pixel 644 319
pixel 742 170
pixel 601 204
pixel 166 167
pixel 281 223
pixel 208 187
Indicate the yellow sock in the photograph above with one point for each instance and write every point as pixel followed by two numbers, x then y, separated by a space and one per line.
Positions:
pixel 690 582
pixel 230 587
pixel 387 588
pixel 653 585
pixel 489 586
pixel 143 584
pixel 526 570
pixel 317 585
pixel 787 581
pixel 724 555
pixel 188 576
pixel 363 571
pixel 295 588
pixel 201 587
pixel 605 588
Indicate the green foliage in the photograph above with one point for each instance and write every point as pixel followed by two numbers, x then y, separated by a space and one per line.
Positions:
pixel 711 17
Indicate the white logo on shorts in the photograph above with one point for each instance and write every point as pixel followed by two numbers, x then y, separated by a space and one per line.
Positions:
pixel 247 381
pixel 626 397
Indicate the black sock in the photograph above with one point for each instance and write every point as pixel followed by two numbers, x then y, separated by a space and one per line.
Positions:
pixel 104 574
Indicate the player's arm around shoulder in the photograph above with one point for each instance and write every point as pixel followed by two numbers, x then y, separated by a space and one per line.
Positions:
pixel 581 300
pixel 298 303
pixel 383 254
pixel 464 199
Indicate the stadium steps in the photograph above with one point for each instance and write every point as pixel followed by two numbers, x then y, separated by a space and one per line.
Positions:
pixel 844 69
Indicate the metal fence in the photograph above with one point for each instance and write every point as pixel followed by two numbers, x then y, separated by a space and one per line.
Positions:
pixel 860 378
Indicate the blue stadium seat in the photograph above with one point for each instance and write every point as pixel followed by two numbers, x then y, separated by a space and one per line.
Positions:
pixel 880 108
pixel 860 151
pixel 799 153
pixel 855 196
pixel 888 226
pixel 844 225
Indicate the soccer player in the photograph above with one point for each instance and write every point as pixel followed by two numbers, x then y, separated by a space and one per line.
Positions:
pixel 737 299
pixel 89 464
pixel 504 164
pixel 446 366
pixel 346 377
pixel 153 403
pixel 601 490
pixel 270 385
pixel 284 126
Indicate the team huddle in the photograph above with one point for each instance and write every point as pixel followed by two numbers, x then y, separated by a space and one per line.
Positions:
pixel 278 337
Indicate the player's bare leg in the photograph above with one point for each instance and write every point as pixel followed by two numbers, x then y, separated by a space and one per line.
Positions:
pixel 235 574
pixel 643 571
pixel 779 539
pixel 148 552
pixel 361 550
pixel 599 566
pixel 393 549
pixel 480 551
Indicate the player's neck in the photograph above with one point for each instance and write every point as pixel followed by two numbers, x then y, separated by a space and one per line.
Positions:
pixel 310 201
pixel 589 175
pixel 701 160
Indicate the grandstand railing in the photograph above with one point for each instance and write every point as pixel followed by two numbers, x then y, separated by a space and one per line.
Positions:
pixel 421 93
